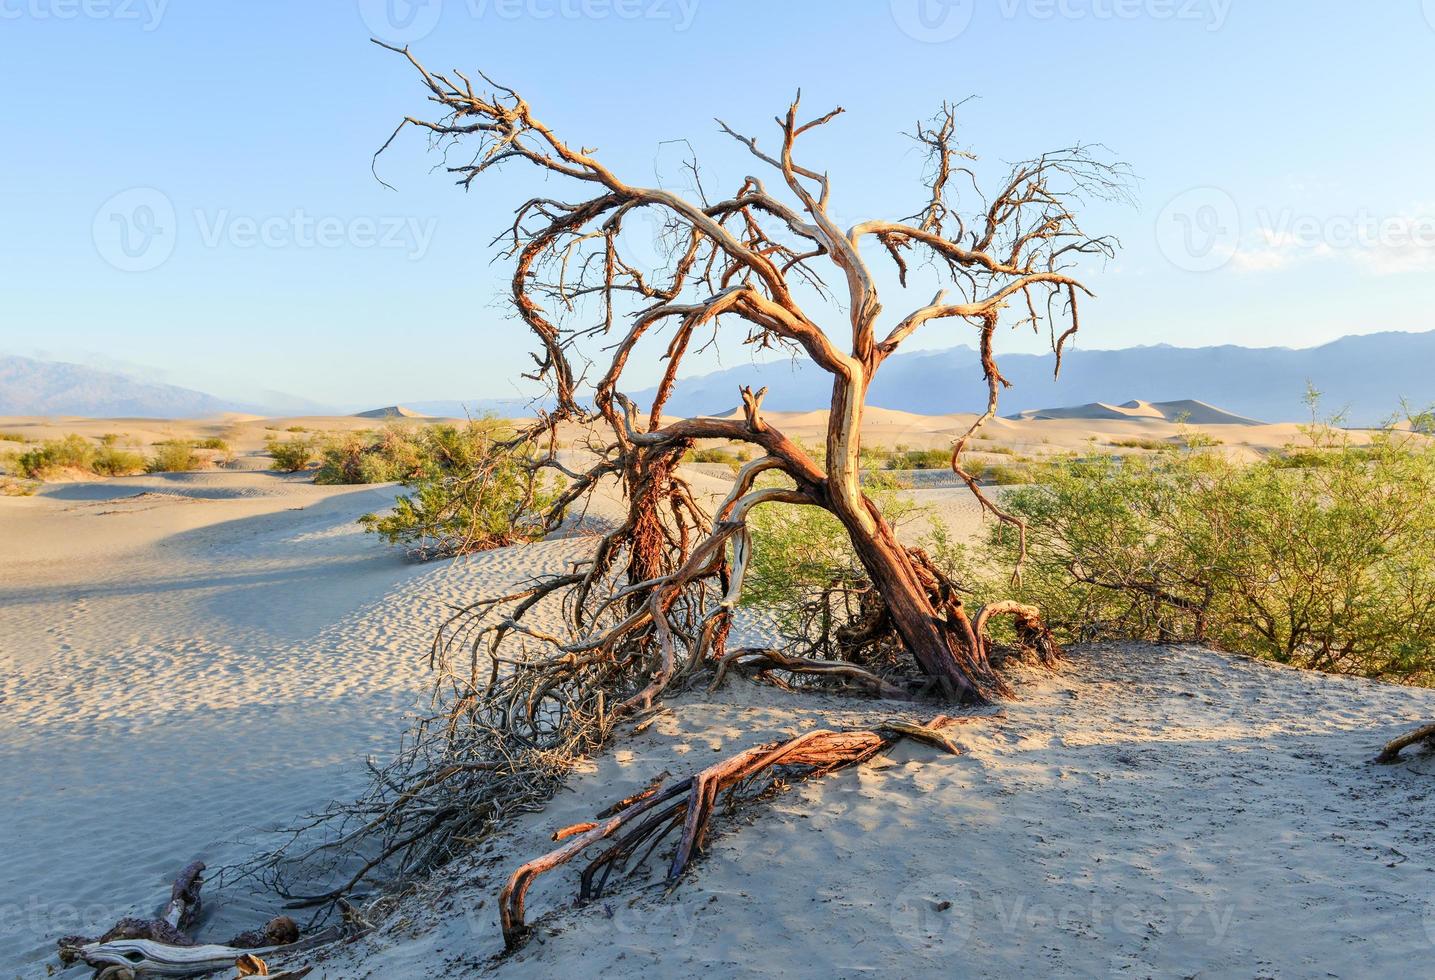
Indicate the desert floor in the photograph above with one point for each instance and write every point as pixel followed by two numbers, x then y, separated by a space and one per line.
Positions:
pixel 188 660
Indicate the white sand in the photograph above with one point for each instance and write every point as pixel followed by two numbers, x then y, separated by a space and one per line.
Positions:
pixel 187 659
pixel 184 659
pixel 1146 812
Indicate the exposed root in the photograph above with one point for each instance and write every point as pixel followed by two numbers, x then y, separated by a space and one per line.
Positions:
pixel 1391 753
pixel 645 820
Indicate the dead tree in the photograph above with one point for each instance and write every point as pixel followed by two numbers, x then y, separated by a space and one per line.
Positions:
pixel 755 261
pixel 517 702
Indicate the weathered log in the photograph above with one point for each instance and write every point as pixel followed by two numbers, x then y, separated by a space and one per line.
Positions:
pixel 1391 753
pixel 144 957
pixel 689 804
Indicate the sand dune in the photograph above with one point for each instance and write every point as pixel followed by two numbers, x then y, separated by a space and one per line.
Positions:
pixel 1189 410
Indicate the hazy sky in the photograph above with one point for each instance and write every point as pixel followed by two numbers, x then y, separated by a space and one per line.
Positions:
pixel 186 184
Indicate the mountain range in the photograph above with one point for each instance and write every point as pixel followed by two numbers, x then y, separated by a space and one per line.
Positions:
pixel 1367 377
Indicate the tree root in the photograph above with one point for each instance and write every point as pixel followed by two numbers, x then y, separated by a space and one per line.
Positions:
pixel 646 819
pixel 1391 753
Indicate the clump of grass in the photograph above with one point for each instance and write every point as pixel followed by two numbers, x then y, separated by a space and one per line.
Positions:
pixel 12 487
pixel 75 453
pixel 731 457
pixel 211 442
pixel 1154 445
pixel 13 437
pixel 920 459
pixel 296 428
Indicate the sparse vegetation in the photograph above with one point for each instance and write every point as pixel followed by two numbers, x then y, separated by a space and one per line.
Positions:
pixel 290 455
pixel 13 437
pixel 393 453
pixel 76 454
pixel 1151 445
pixel 1326 564
pixel 468 488
pixel 173 456
pixel 730 457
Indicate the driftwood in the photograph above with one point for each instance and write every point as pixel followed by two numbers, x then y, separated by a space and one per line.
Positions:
pixel 144 957
pixel 163 946
pixel 646 819
pixel 1391 753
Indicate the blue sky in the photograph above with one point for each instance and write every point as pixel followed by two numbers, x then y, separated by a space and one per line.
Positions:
pixel 1283 148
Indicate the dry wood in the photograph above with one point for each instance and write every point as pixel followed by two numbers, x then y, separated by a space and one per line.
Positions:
pixel 688 804
pixel 1393 748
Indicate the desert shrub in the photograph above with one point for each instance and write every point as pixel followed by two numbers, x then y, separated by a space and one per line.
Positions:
pixel 296 428
pixel 173 456
pixel 113 460
pixel 73 452
pixel 290 455
pixel 13 437
pixel 211 442
pixel 77 454
pixel 468 490
pixel 1329 567
pixel 393 454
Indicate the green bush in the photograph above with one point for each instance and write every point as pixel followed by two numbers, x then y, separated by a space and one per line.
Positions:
pixel 173 456
pixel 468 489
pixel 111 460
pixel 76 453
pixel 290 455
pixel 211 442
pixel 393 454
pixel 1329 567
pixel 73 452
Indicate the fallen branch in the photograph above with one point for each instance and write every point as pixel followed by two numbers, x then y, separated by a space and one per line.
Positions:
pixel 1391 753
pixel 650 817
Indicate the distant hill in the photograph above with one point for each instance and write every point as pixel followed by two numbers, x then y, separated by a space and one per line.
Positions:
pixel 31 387
pixel 1187 410
pixel 1367 376
pixel 390 412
